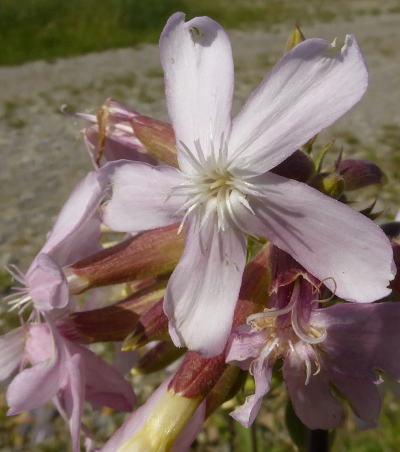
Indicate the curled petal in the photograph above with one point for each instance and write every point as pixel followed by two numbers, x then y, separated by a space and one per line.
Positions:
pixel 262 372
pixel 244 346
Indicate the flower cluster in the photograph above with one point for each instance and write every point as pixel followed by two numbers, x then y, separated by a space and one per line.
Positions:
pixel 236 247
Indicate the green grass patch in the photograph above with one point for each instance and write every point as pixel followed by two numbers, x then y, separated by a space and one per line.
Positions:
pixel 48 29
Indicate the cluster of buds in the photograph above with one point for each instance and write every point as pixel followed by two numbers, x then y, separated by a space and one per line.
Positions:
pixel 222 248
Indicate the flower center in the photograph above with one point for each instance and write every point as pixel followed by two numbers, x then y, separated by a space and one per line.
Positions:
pixel 286 328
pixel 213 190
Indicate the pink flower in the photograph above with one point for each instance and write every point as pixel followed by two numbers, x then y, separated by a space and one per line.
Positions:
pixel 62 371
pixel 342 346
pixel 224 190
pixel 75 235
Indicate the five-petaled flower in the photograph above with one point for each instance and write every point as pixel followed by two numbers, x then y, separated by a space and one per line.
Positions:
pixel 223 190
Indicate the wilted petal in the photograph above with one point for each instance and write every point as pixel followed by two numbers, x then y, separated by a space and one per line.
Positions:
pixel 310 88
pixel 118 146
pixel 262 372
pixel 313 403
pixel 141 200
pixel 203 290
pixel 197 60
pixel 244 346
pixel 315 229
pixel 12 347
pixel 47 284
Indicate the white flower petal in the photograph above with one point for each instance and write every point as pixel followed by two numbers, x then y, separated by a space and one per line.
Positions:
pixel 310 88
pixel 328 238
pixel 197 60
pixel 140 199
pixel 203 290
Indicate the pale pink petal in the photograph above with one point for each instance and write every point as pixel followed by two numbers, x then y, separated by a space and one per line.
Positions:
pixel 39 345
pixel 72 397
pixel 197 60
pixel 64 242
pixel 362 394
pixel 262 372
pixel 141 198
pixel 203 289
pixel 313 403
pixel 104 386
pixel 47 284
pixel 37 385
pixel 328 238
pixel 310 88
pixel 370 329
pixel 244 346
pixel 12 347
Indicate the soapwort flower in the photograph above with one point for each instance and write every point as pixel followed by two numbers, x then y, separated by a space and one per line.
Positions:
pixel 345 346
pixel 75 235
pixel 224 189
pixel 61 370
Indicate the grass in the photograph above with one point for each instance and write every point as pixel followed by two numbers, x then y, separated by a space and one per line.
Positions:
pixel 48 29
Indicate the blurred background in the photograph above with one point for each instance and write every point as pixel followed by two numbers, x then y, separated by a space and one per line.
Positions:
pixel 80 52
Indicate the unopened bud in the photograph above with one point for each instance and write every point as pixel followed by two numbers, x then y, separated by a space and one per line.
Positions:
pixel 299 166
pixel 151 253
pixel 152 326
pixel 158 357
pixel 111 323
pixel 157 137
pixel 331 184
pixel 360 173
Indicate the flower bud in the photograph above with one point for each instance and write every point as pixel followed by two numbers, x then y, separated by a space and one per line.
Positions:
pixel 148 254
pixel 331 184
pixel 110 137
pixel 299 166
pixel 111 323
pixel 360 173
pixel 158 357
pixel 152 326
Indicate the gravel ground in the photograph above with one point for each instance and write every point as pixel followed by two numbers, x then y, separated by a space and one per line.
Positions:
pixel 43 155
